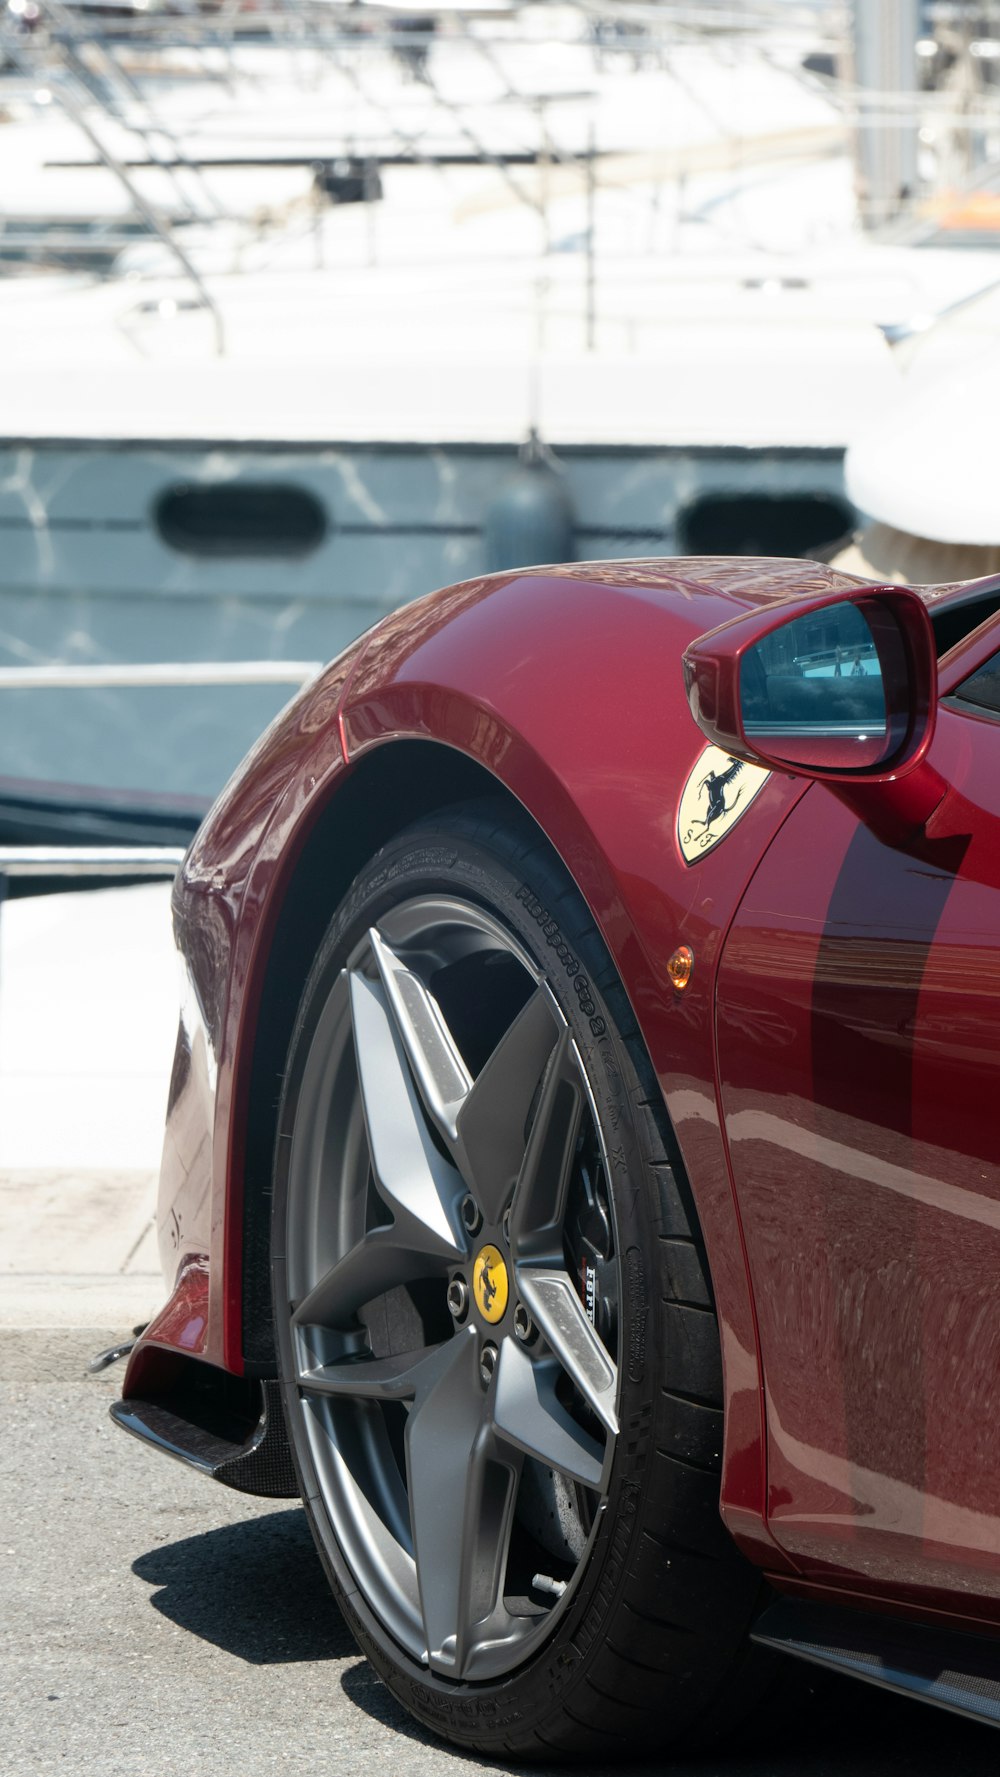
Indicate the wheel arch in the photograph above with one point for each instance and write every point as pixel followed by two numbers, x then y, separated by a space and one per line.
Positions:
pixel 382 792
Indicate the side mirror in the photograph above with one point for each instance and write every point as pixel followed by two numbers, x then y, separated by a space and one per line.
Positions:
pixel 842 688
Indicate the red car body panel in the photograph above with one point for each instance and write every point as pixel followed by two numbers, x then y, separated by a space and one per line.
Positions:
pixel 564 685
pixel 866 1168
pixel 225 903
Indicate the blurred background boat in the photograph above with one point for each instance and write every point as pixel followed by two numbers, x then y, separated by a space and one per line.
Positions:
pixel 310 309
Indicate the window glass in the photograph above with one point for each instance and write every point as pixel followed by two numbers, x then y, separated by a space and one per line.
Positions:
pixel 982 688
pixel 233 518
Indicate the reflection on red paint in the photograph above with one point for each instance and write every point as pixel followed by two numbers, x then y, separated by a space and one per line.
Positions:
pixel 866 1164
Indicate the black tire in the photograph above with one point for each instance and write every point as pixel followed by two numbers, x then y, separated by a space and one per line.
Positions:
pixel 647 1641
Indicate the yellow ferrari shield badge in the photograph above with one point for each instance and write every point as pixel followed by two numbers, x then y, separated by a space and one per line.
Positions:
pixel 489 1283
pixel 717 794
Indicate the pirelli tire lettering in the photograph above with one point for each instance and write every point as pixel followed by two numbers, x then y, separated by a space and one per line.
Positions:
pixel 554 939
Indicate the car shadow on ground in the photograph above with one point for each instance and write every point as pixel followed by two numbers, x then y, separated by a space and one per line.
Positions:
pixel 256 1590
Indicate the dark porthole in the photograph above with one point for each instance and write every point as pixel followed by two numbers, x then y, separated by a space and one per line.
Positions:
pixel 764 524
pixel 241 518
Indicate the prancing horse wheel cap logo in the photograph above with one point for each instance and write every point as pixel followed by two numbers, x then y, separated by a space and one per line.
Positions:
pixel 489 1284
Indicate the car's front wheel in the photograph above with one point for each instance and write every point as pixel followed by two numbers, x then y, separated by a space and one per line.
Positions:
pixel 499 1357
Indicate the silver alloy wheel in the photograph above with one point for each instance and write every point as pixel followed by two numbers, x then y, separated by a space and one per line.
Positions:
pixel 463 1489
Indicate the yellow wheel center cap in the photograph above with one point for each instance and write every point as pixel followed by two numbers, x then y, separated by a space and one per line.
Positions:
pixel 489 1284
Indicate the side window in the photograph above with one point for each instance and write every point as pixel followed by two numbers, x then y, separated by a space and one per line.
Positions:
pixel 982 688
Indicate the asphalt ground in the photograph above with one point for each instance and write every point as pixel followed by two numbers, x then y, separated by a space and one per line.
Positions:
pixel 155 1623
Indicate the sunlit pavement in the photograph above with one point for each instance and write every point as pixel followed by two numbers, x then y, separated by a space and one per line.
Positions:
pixel 88 1014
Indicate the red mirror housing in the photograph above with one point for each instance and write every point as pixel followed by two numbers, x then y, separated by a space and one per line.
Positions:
pixel 718 666
pixel 856 716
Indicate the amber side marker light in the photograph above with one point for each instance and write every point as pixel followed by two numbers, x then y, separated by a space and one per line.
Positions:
pixel 681 967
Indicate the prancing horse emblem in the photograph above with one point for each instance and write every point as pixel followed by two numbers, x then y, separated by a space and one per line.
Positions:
pixel 489 1284
pixel 716 784
pixel 718 792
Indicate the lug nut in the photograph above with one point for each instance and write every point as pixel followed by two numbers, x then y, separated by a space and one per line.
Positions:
pixel 506 1227
pixel 472 1221
pixel 487 1362
pixel 458 1297
pixel 524 1326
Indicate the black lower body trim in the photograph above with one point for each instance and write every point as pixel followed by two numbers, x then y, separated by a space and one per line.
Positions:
pixel 262 1464
pixel 952 1670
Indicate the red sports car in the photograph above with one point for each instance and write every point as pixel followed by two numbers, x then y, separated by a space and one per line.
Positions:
pixel 581 1168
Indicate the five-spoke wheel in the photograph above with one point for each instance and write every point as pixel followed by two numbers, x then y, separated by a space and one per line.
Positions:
pixel 452 1285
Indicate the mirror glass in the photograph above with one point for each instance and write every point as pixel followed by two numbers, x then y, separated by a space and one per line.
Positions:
pixel 811 692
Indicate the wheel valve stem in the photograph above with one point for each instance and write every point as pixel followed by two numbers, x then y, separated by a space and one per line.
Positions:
pixel 543 1582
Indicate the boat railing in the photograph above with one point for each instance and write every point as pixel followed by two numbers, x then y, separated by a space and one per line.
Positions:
pixel 158 861
pixel 73 863
pixel 107 675
pixel 76 93
pixel 102 69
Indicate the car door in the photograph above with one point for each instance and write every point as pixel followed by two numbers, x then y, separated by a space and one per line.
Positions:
pixel 859 1071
